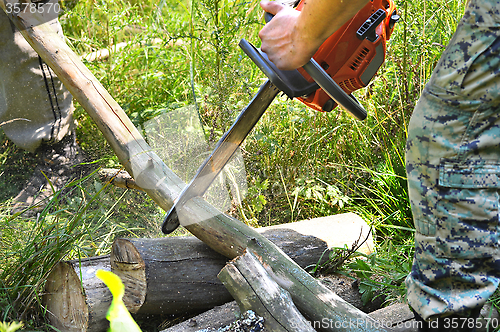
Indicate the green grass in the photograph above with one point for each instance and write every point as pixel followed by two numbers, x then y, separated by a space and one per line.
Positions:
pixel 80 221
pixel 299 163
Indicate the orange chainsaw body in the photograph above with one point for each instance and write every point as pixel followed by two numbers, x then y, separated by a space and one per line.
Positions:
pixel 350 59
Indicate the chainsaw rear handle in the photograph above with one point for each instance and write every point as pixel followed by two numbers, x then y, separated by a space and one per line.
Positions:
pixel 325 82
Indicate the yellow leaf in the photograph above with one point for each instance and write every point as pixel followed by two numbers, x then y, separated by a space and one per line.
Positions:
pixel 10 327
pixel 119 318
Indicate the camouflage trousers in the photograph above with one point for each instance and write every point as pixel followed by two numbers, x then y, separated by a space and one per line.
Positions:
pixel 453 168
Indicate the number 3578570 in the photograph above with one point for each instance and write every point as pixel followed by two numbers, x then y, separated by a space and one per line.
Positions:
pixel 33 8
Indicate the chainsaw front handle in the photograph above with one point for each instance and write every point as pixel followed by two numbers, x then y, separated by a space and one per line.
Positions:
pixel 333 90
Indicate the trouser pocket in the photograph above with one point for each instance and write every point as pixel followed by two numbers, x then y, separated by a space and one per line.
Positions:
pixel 467 209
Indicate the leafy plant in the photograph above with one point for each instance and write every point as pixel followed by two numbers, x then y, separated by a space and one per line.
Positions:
pixel 318 190
pixel 382 273
pixel 255 201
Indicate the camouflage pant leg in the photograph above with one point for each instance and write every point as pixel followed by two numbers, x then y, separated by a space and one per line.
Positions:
pixel 453 167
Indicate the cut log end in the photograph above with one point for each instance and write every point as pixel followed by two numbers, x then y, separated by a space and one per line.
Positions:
pixel 127 263
pixel 75 299
pixel 64 299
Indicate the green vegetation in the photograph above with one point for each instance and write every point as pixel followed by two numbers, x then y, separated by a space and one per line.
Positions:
pixel 299 163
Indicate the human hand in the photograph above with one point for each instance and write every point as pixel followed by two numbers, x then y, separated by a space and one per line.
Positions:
pixel 283 39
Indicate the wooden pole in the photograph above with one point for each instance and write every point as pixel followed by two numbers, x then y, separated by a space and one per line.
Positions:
pixel 223 233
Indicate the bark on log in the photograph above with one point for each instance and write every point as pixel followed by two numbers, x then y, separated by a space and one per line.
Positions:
pixel 224 234
pixel 179 274
pixel 76 301
pixel 253 289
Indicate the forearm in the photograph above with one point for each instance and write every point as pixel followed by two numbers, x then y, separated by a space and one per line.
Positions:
pixel 319 19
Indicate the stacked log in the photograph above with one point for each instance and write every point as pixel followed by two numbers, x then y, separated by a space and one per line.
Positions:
pixel 173 275
pixel 76 301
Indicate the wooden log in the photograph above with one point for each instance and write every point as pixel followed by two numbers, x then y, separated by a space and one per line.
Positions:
pixel 76 301
pixel 224 234
pixel 179 274
pixel 254 289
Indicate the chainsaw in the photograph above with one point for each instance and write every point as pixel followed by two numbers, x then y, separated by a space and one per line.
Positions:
pixel 345 62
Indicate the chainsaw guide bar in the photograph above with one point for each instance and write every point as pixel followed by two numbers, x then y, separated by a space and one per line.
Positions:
pixel 224 150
